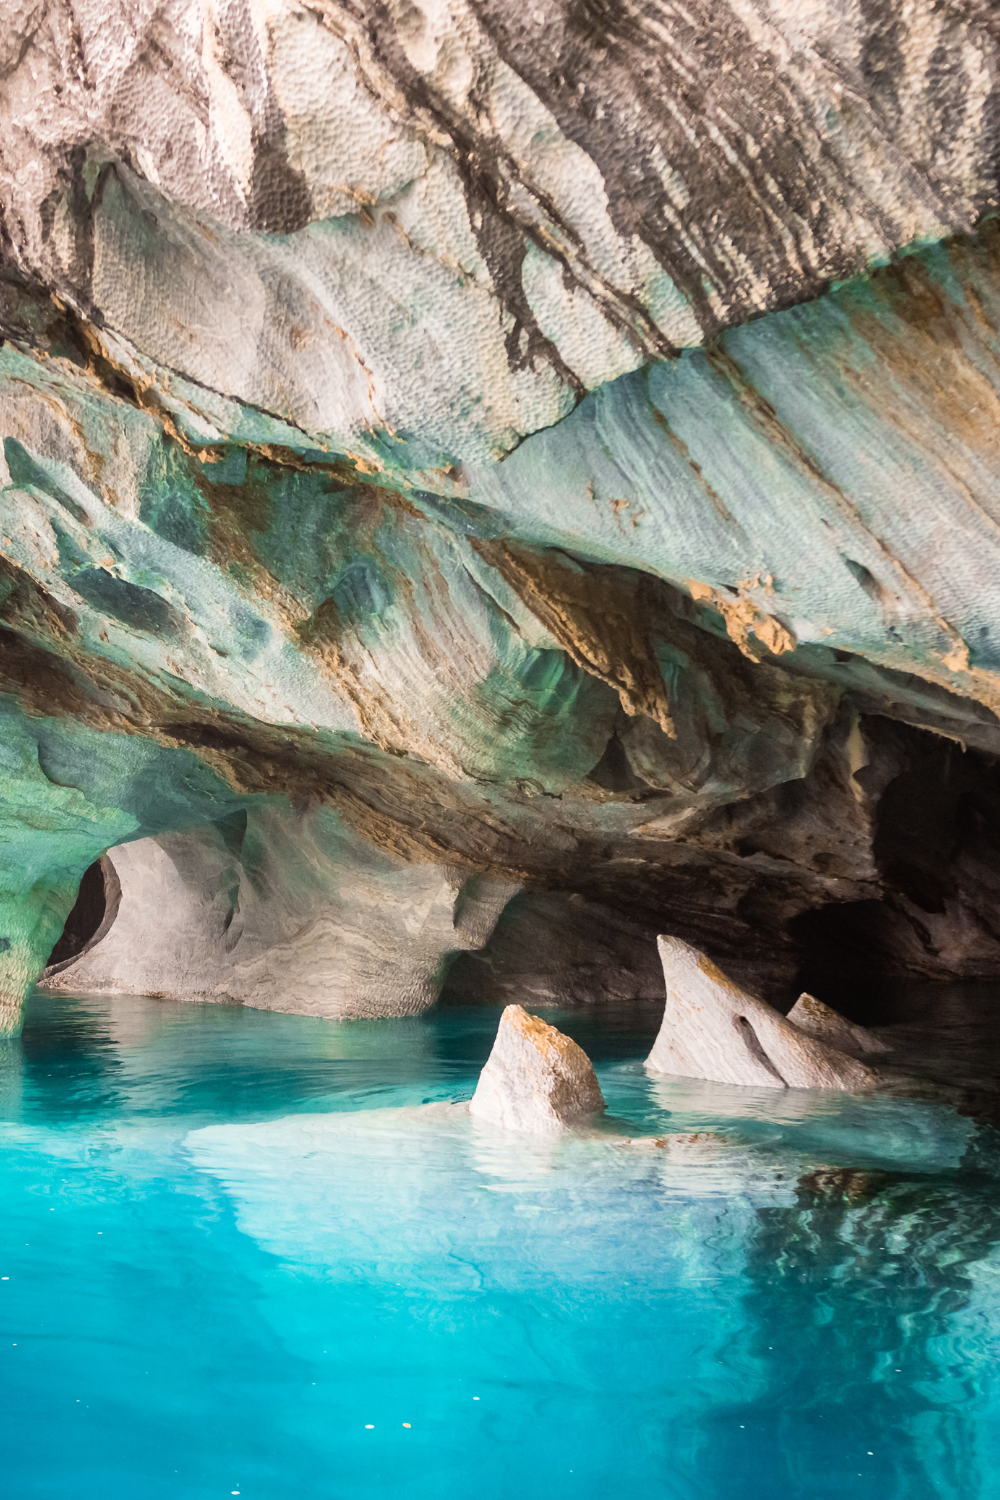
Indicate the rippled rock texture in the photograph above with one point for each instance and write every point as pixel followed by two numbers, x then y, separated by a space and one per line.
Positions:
pixel 461 459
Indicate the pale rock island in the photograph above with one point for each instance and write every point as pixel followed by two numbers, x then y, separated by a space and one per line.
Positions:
pixel 714 1029
pixel 536 1079
pixel 822 1021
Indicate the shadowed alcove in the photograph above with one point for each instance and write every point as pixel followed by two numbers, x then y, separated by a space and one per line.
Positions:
pixel 93 913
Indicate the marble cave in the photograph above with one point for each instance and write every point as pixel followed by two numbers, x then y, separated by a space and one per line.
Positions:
pixel 500 749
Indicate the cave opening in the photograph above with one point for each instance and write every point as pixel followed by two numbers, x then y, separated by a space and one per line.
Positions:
pixel 86 918
pixel 850 959
pixel 937 851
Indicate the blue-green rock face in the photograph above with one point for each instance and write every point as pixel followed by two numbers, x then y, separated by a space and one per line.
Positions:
pixel 482 506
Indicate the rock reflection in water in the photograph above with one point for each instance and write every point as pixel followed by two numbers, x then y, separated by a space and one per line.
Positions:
pixel 864 1296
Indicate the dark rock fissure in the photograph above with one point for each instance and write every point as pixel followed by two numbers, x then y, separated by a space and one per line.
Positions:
pixel 85 919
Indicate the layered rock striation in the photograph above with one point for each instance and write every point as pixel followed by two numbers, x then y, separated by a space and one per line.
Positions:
pixel 459 457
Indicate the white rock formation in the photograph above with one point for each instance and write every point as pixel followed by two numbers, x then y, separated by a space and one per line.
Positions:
pixel 713 1029
pixel 821 1021
pixel 282 910
pixel 535 1078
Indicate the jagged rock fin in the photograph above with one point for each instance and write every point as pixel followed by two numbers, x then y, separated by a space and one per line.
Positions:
pixel 707 1024
pixel 818 1020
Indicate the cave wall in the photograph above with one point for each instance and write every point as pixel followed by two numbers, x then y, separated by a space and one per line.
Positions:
pixel 282 909
pixel 519 455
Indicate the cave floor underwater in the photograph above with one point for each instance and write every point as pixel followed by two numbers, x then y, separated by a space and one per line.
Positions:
pixel 266 1255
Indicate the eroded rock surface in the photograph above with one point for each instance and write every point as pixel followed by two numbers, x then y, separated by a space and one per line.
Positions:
pixel 713 1029
pixel 555 948
pixel 719 285
pixel 284 911
pixel 535 1079
pixel 816 1019
pixel 426 230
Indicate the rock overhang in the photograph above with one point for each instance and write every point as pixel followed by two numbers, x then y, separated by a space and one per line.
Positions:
pixel 651 655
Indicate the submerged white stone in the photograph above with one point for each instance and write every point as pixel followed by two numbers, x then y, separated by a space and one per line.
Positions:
pixel 713 1029
pixel 827 1025
pixel 535 1079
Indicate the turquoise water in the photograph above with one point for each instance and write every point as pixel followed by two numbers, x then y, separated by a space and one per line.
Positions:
pixel 241 1251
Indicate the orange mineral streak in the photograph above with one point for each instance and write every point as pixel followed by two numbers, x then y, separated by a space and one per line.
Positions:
pixel 744 618
pixel 543 1037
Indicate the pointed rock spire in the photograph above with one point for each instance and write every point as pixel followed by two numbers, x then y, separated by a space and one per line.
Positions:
pixel 827 1025
pixel 713 1029
pixel 535 1078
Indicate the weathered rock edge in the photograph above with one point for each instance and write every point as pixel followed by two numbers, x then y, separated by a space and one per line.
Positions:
pixel 827 1025
pixel 713 1029
pixel 535 1079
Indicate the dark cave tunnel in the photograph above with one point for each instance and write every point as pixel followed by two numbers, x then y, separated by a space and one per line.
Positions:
pixel 849 959
pixel 87 916
pixel 937 847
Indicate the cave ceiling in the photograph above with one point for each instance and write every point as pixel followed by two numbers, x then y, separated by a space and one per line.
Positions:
pixel 459 458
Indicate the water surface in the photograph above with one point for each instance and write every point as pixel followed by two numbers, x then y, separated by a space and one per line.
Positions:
pixel 242 1251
